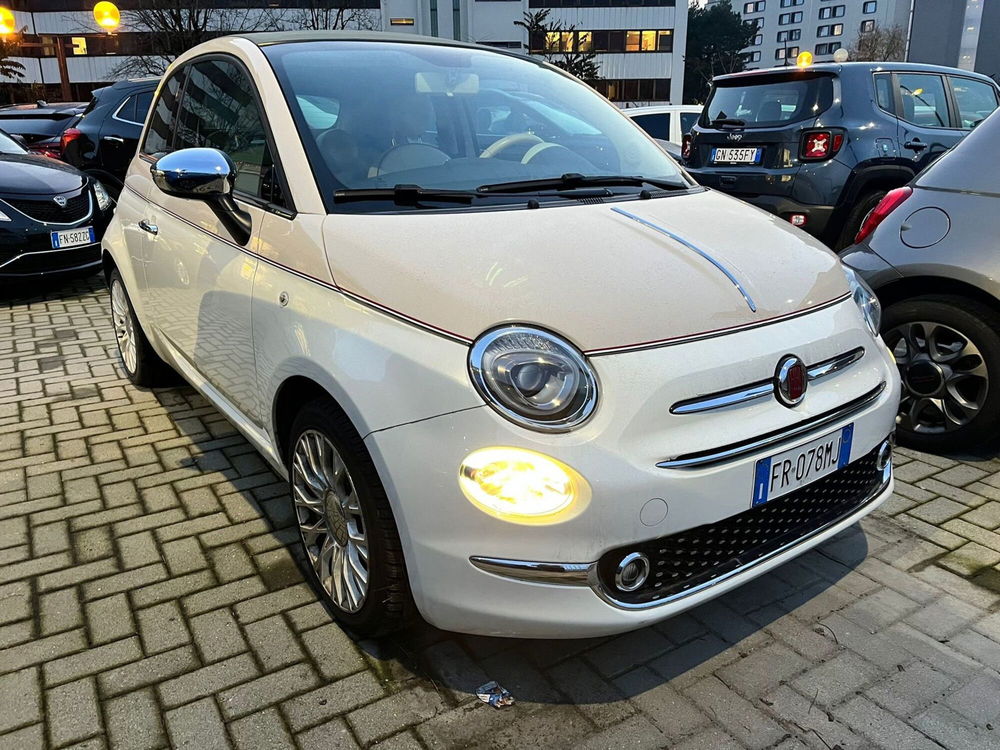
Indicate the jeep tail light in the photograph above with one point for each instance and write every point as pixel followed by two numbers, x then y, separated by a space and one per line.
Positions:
pixel 892 200
pixel 68 136
pixel 820 144
pixel 686 146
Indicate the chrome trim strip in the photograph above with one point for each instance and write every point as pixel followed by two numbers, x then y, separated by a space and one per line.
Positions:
pixel 32 253
pixel 565 574
pixel 688 338
pixel 677 238
pixel 861 510
pixel 762 388
pixel 727 453
pixel 306 277
pixel 120 108
pixel 88 215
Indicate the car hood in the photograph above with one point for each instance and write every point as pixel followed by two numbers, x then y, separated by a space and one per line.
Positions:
pixel 27 174
pixel 602 279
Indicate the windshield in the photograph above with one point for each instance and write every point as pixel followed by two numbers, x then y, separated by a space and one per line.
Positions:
pixel 376 115
pixel 763 102
pixel 9 146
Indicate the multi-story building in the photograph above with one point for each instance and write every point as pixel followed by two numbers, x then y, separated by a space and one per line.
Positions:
pixel 962 33
pixel 787 27
pixel 639 44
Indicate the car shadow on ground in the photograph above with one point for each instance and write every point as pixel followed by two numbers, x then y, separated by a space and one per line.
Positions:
pixel 47 288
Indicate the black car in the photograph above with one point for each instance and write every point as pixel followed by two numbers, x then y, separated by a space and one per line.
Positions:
pixel 52 216
pixel 820 146
pixel 105 139
pixel 41 124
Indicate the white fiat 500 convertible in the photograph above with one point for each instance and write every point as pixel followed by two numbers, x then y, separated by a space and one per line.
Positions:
pixel 523 375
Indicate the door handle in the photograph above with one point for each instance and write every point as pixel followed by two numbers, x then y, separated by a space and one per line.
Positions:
pixel 915 145
pixel 115 138
pixel 147 227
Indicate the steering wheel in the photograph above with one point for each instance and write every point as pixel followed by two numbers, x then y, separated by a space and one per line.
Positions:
pixel 506 142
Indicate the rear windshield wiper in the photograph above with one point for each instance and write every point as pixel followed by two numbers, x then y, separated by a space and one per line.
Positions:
pixel 404 195
pixel 573 180
pixel 729 121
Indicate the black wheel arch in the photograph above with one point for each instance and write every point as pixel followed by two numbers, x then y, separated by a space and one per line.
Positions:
pixel 293 394
pixel 908 287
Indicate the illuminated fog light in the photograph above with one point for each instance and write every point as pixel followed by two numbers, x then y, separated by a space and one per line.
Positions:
pixel 632 572
pixel 522 486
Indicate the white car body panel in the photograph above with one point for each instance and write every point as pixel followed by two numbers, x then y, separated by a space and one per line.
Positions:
pixel 379 312
pixel 677 133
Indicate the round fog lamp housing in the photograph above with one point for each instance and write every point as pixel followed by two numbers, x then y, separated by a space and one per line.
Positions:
pixel 632 572
pixel 884 456
pixel 522 486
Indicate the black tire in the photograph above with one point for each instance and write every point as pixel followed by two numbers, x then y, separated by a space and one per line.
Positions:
pixel 980 325
pixel 856 217
pixel 388 604
pixel 148 370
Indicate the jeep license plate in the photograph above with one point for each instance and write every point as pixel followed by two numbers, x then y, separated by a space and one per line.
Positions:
pixel 736 155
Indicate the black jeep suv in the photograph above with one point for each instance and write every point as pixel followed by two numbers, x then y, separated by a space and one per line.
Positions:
pixel 820 146
pixel 105 139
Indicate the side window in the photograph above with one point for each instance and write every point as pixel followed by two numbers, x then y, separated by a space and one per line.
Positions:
pixel 924 100
pixel 126 111
pixel 688 121
pixel 883 93
pixel 158 135
pixel 142 102
pixel 657 125
pixel 219 110
pixel 975 99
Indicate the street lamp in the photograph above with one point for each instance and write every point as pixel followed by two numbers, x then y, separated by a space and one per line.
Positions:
pixel 7 25
pixel 107 16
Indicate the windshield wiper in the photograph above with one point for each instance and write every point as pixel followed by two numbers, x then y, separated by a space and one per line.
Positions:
pixel 573 180
pixel 404 195
pixel 730 121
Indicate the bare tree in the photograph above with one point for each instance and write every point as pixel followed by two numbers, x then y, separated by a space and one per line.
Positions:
pixel 879 45
pixel 173 26
pixel 320 15
pixel 565 52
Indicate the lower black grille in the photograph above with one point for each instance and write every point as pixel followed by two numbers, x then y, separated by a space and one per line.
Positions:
pixel 699 555
pixel 47 210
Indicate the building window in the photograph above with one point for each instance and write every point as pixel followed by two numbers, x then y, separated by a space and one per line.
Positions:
pixel 833 29
pixel 869 7
pixel 868 25
pixel 611 40
pixel 753 57
pixel 634 89
pixel 791 3
pixel 791 35
pixel 786 19
pixel 786 52
pixel 754 7
pixel 832 11
pixel 757 40
pixel 827 48
pixel 601 3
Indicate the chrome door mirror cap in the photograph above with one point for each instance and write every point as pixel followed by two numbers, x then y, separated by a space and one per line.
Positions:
pixel 199 173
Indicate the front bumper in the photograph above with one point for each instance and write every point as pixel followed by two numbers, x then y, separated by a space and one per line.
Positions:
pixel 452 548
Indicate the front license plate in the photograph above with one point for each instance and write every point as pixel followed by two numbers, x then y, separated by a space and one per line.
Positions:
pixel 736 155
pixel 73 237
pixel 786 472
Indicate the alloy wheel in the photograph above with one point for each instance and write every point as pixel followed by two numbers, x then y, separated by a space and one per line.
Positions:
pixel 328 511
pixel 945 379
pixel 124 331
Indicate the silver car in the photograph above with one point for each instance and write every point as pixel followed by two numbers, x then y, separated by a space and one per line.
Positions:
pixel 929 250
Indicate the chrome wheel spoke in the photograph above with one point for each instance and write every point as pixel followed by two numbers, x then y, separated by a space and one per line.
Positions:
pixel 121 316
pixel 331 523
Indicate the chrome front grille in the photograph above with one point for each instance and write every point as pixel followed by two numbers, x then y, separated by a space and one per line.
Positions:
pixel 46 210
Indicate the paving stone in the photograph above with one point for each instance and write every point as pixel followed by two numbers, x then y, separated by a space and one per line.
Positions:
pixel 596 698
pixel 59 611
pixel 331 700
pixel 333 651
pixel 277 601
pixel 15 601
pixel 92 661
pixel 197 726
pixel 222 596
pixel 21 698
pixel 184 556
pixel 910 689
pixel 938 511
pixel 41 650
pixel 960 475
pixel 737 716
pixel 672 713
pixel 217 635
pixel 149 671
pixel 987 515
pixel 762 670
pixel 207 680
pixel 274 643
pixel 162 627
pixel 138 550
pixel 978 700
pixel 134 721
pixel 969 559
pixel 395 712
pixel 73 711
pixel 713 738
pixel 945 726
pixel 880 726
pixel 109 619
pixel 29 738
pixel 810 721
pixel 332 734
pixel 261 731
pixel 829 683
pixel 943 617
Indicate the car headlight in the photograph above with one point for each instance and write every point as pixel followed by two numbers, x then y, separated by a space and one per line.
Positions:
pixel 533 378
pixel 103 199
pixel 865 299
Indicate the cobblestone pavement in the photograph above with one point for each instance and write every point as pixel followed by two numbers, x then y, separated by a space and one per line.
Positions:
pixel 150 597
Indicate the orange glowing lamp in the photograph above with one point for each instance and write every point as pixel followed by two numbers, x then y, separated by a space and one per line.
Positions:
pixel 107 15
pixel 7 25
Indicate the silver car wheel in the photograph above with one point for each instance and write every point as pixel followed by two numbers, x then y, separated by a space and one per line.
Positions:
pixel 121 314
pixel 328 511
pixel 945 380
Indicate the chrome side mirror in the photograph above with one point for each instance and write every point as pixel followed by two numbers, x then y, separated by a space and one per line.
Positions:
pixel 205 174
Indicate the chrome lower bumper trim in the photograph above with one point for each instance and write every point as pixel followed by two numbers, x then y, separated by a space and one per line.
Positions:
pixel 585 574
pixel 712 456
